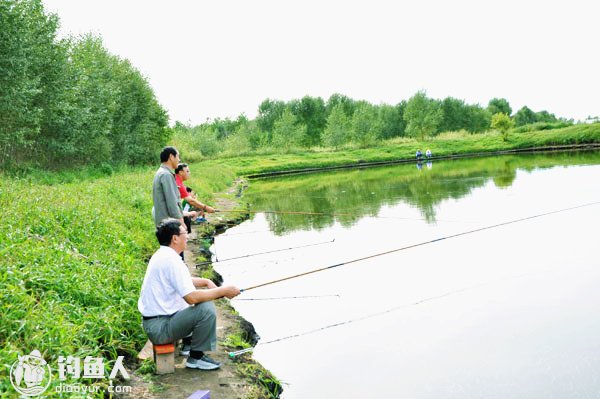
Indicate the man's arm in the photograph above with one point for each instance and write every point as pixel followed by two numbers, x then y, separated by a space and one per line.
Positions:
pixel 194 202
pixel 211 294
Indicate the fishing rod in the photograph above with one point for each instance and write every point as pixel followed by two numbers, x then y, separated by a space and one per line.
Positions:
pixel 324 214
pixel 288 297
pixel 417 245
pixel 263 253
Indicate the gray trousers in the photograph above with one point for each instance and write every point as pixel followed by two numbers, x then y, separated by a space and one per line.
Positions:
pixel 199 320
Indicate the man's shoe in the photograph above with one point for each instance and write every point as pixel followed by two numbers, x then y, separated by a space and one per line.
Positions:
pixel 185 350
pixel 210 360
pixel 201 364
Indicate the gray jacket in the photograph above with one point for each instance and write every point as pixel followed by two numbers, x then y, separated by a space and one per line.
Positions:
pixel 167 202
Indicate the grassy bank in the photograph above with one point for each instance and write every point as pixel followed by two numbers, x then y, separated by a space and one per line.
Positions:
pixel 445 144
pixel 74 248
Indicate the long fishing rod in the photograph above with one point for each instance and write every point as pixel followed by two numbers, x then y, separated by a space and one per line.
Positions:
pixel 323 214
pixel 417 245
pixel 266 252
pixel 288 297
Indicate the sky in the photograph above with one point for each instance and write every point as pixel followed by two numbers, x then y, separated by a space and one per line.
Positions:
pixel 219 59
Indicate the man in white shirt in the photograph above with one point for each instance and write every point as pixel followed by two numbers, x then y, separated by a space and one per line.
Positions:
pixel 171 306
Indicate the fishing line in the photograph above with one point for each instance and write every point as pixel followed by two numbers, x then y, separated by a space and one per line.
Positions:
pixel 265 264
pixel 287 297
pixel 263 253
pixel 244 232
pixel 417 245
pixel 237 353
pixel 372 315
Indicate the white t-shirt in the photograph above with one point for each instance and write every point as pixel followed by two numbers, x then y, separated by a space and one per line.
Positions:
pixel 166 282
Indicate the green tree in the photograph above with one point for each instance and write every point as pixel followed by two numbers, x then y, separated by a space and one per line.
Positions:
pixel 497 105
pixel 338 127
pixel 287 133
pixel 525 116
pixel 139 124
pixel 454 115
pixel 268 112
pixel 502 122
pixel 478 119
pixel 365 125
pixel 30 76
pixel 458 115
pixel 256 138
pixel 310 112
pixel 545 116
pixel 70 101
pixel 347 104
pixel 391 120
pixel 422 115
pixel 87 135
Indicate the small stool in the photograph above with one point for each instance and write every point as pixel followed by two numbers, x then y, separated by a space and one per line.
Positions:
pixel 164 357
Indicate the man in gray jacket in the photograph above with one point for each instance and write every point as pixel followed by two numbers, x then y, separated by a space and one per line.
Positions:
pixel 167 203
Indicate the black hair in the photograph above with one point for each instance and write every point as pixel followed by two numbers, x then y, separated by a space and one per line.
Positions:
pixel 166 229
pixel 166 153
pixel 180 167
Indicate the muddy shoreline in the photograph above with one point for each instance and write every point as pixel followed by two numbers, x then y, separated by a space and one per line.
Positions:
pixel 262 383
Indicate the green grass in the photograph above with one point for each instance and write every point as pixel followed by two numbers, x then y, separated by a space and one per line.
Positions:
pixel 73 253
pixel 455 143
pixel 235 341
pixel 265 384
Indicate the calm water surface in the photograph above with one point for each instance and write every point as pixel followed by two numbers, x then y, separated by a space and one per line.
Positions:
pixel 510 312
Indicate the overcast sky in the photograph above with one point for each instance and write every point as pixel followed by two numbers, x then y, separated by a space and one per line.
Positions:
pixel 222 58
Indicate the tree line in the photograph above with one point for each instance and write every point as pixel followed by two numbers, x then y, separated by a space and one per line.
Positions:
pixel 341 121
pixel 70 101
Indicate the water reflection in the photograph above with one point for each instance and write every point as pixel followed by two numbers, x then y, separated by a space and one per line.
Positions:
pixel 362 193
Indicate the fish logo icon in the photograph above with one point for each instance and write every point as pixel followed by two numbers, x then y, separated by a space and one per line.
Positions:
pixel 30 375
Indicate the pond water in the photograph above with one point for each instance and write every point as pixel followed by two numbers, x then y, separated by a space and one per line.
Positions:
pixel 507 312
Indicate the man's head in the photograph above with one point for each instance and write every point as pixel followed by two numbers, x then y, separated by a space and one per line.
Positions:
pixel 183 170
pixel 170 156
pixel 172 233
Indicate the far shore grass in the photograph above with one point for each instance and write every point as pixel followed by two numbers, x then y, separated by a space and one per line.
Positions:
pixel 209 175
pixel 446 144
